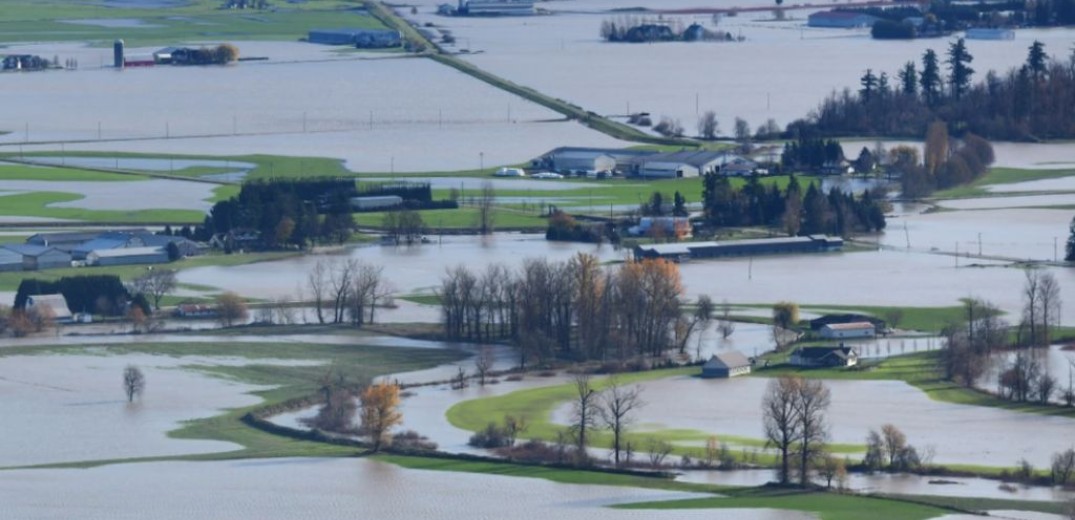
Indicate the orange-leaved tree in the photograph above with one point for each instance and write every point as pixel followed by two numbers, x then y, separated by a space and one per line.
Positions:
pixel 380 403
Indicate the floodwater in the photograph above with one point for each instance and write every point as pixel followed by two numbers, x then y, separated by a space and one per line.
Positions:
pixel 373 113
pixel 734 79
pixel 140 163
pixel 884 277
pixel 125 196
pixel 67 408
pixel 320 488
pixel 1057 362
pixel 1024 201
pixel 117 23
pixel 1037 234
pixel 959 434
pixel 1060 184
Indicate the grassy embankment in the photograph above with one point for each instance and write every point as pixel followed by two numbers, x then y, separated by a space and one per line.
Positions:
pixel 197 20
pixel 1003 176
pixel 827 506
pixel 359 363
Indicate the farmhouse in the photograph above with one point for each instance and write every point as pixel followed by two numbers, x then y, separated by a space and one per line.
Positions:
pixel 750 247
pixel 40 257
pixel 811 357
pixel 127 256
pixel 726 364
pixel 840 20
pixel 858 329
pixel 51 305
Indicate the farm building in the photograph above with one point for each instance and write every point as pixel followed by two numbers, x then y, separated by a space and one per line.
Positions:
pixel 376 202
pixel 53 305
pixel 858 329
pixel 726 364
pixel 824 357
pixel 496 7
pixel 840 20
pixel 750 247
pixel 361 38
pixel 61 241
pixel 571 159
pixel 41 257
pixel 195 310
pixel 828 319
pixel 680 164
pixel 10 260
pixel 127 256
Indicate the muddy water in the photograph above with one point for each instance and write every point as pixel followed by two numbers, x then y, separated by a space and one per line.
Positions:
pixel 1037 234
pixel 319 488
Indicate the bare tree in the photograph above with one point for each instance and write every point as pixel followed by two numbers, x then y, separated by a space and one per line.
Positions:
pixel 829 468
pixel 725 324
pixel 780 417
pixel 658 450
pixel 155 283
pixel 486 207
pixel 483 363
pixel 340 280
pixel 1063 466
pixel 1049 300
pixel 134 382
pixel 585 413
pixel 685 326
pixel 231 309
pixel 812 401
pixel 1031 304
pixel 619 402
pixel 894 442
pixel 317 280
pixel 708 126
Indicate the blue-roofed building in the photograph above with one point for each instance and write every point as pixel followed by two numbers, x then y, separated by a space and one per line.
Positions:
pixel 361 38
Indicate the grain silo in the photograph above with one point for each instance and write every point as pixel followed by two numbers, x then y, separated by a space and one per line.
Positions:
pixel 117 54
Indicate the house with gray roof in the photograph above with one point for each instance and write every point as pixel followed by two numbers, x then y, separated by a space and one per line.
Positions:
pixel 683 164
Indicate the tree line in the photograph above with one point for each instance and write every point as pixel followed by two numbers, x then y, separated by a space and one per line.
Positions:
pixel 982 338
pixel 348 291
pixel 1033 101
pixel 793 211
pixel 286 213
pixel 575 309
pixel 101 294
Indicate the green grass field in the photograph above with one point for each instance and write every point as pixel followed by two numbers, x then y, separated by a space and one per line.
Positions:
pixel 20 172
pixel 1000 176
pixel 199 20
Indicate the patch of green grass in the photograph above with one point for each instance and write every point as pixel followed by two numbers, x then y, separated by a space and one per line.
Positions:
pixel 827 506
pixel 20 172
pixel 1000 176
pixel 462 218
pixel 986 504
pixel 924 319
pixel 422 299
pixel 563 476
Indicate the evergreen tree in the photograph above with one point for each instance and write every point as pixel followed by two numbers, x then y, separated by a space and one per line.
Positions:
pixel 908 77
pixel 959 70
pixel 1036 60
pixel 930 78
pixel 869 86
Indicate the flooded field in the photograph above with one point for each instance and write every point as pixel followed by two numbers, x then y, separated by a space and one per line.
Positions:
pixel 318 488
pixel 310 107
pixel 1037 234
pixel 734 79
pixel 127 195
pixel 67 408
pixel 959 434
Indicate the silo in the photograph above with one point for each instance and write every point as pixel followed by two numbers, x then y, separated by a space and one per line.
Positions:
pixel 117 54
